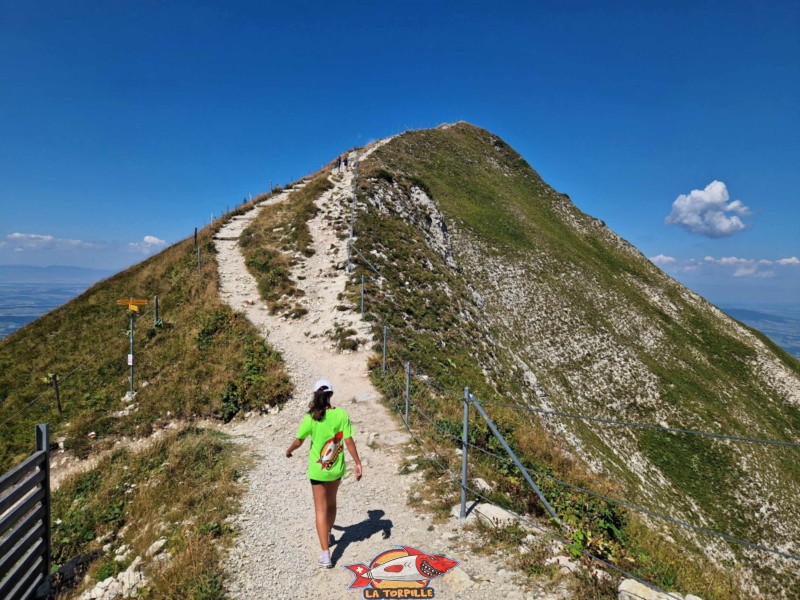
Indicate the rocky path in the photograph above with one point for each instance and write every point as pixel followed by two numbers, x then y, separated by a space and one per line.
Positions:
pixel 276 552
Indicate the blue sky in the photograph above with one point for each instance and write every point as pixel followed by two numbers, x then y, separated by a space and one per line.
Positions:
pixel 124 125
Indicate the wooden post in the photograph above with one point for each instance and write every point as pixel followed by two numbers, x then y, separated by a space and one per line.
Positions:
pixel 408 389
pixel 54 380
pixel 383 363
pixel 195 237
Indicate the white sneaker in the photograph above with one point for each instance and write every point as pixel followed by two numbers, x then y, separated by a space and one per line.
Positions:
pixel 325 560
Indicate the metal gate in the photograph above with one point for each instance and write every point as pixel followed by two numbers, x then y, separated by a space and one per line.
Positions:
pixel 25 525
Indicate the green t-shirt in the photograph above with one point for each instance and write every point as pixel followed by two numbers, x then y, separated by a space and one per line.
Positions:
pixel 326 457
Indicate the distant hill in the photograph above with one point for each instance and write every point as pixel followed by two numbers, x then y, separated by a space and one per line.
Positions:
pixel 28 292
pixel 51 275
pixel 784 330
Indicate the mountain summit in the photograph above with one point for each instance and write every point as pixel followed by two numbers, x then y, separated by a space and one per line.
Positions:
pixel 663 433
pixel 497 281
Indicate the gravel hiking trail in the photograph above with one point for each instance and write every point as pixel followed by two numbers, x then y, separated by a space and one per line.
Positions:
pixel 275 553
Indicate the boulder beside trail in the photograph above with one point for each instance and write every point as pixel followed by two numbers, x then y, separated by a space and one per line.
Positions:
pixel 630 589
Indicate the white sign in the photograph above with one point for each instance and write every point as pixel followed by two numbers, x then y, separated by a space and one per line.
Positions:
pixel 130 360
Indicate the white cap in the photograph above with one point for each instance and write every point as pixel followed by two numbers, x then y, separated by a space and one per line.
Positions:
pixel 323 383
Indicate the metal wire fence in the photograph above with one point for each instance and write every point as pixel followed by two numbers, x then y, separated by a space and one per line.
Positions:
pixel 103 346
pixel 392 363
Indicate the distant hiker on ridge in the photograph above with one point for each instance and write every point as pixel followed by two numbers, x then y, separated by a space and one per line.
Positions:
pixel 328 428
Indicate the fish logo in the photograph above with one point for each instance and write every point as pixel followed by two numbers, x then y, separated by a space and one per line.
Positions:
pixel 330 451
pixel 403 568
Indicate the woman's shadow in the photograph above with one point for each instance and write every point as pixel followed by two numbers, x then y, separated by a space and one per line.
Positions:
pixel 361 531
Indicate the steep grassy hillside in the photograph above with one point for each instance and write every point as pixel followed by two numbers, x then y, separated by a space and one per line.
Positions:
pixel 202 360
pixel 490 278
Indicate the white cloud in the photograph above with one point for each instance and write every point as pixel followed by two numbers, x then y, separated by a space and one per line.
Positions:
pixel 707 212
pixel 744 267
pixel 732 265
pixel 152 240
pixel 31 239
pixel 661 259
pixel 732 260
pixel 24 242
pixel 745 270
pixel 36 241
pixel 149 243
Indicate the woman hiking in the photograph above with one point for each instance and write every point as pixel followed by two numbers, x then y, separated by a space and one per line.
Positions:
pixel 329 428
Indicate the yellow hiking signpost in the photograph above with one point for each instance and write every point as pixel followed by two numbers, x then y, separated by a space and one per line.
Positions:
pixel 133 305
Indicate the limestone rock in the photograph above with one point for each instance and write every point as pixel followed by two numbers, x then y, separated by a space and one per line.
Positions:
pixel 156 546
pixel 567 564
pixel 481 485
pixel 630 589
pixel 458 580
pixel 494 515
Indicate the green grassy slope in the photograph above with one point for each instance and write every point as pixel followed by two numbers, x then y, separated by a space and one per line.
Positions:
pixel 539 287
pixel 134 499
pixel 204 360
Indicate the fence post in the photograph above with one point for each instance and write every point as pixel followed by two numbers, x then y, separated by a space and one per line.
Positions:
pixel 514 458
pixel 383 364
pixel 362 294
pixel 464 447
pixel 43 445
pixel 54 379
pixel 408 389
pixel 195 238
pixel 130 355
pixel 155 311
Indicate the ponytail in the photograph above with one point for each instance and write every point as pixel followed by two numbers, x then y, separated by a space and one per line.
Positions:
pixel 319 404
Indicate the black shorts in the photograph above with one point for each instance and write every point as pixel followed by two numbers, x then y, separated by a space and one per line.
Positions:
pixel 318 482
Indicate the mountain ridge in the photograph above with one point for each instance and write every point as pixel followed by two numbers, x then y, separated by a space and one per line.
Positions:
pixel 52 274
pixel 486 278
pixel 569 305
